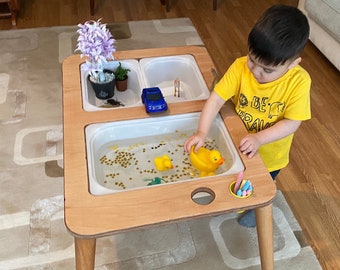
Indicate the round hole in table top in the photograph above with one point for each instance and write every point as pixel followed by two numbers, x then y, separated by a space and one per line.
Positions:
pixel 203 196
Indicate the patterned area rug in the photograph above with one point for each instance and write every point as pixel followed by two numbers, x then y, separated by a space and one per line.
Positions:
pixel 32 231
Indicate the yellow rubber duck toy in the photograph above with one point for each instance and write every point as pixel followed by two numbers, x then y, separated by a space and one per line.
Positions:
pixel 206 161
pixel 163 163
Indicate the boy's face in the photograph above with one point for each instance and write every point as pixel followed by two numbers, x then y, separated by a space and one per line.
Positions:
pixel 267 73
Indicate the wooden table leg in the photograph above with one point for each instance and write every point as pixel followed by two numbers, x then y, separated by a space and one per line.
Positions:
pixel 264 226
pixel 85 251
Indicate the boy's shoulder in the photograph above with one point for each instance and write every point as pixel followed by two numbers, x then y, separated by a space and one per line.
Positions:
pixel 299 72
pixel 240 64
pixel 241 60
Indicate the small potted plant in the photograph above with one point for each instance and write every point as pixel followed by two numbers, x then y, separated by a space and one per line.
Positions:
pixel 121 75
pixel 96 44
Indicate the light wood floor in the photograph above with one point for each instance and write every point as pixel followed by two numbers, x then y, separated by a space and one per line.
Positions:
pixel 310 183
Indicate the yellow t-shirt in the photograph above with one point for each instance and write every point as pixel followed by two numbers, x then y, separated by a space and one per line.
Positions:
pixel 262 105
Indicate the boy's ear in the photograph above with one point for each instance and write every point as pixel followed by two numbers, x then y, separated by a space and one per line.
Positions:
pixel 294 63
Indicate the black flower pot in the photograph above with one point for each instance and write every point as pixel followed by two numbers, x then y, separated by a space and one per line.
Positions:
pixel 103 90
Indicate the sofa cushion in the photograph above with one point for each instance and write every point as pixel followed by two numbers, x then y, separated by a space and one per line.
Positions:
pixel 327 14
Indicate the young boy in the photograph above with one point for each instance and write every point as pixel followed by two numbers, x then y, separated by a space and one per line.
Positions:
pixel 269 89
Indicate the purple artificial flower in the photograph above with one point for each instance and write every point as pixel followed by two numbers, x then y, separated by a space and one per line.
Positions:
pixel 97 44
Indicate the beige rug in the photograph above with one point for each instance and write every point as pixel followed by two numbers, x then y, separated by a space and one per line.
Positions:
pixel 32 231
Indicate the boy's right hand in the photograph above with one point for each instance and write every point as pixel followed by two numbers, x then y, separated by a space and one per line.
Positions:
pixel 208 115
pixel 195 140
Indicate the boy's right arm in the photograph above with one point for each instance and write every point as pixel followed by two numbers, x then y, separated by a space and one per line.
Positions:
pixel 209 112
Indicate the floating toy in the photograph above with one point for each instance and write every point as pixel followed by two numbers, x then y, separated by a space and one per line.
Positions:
pixel 206 161
pixel 163 163
pixel 155 181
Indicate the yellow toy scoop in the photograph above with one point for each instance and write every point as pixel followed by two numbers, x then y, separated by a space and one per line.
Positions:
pixel 206 161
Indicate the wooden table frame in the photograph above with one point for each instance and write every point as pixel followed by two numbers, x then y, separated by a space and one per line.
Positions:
pixel 88 217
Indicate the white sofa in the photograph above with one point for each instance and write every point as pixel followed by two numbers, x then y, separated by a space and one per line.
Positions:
pixel 324 21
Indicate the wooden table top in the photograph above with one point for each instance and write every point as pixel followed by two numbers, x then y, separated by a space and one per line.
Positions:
pixel 88 215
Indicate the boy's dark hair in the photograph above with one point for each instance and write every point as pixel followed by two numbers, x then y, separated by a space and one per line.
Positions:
pixel 279 35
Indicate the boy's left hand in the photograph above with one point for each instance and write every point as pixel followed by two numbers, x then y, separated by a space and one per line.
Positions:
pixel 249 145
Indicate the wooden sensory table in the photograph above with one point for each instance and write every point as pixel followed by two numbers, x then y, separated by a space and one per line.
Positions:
pixel 88 217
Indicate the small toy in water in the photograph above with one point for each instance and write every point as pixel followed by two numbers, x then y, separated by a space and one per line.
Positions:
pixel 163 163
pixel 206 161
pixel 155 181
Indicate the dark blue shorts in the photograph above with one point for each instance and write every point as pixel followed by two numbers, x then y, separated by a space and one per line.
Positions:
pixel 273 174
